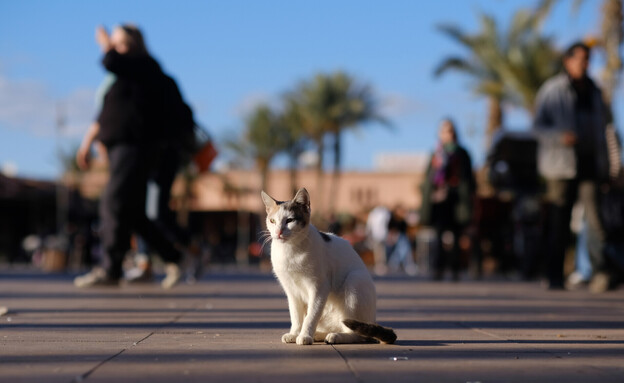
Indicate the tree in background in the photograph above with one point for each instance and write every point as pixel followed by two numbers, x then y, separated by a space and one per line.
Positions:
pixel 261 140
pixel 292 120
pixel 505 66
pixel 611 41
pixel 329 105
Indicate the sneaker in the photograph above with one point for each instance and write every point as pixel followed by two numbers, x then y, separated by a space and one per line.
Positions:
pixel 575 281
pixel 139 275
pixel 173 274
pixel 411 270
pixel 96 277
pixel 600 283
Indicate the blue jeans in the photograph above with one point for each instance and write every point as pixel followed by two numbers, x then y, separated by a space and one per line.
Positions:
pixel 582 259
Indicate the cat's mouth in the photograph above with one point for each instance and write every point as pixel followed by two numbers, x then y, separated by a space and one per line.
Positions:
pixel 281 238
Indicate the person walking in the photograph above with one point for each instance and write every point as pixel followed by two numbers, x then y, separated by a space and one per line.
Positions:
pixel 377 234
pixel 570 123
pixel 447 198
pixel 398 244
pixel 132 125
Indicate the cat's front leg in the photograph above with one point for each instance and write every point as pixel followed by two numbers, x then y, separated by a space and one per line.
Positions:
pixel 296 309
pixel 315 310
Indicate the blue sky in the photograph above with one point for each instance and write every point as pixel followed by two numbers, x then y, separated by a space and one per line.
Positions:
pixel 229 55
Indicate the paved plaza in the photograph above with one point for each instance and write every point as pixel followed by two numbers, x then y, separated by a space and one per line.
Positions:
pixel 227 328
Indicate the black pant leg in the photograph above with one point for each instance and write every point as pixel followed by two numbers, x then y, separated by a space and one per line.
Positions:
pixel 164 176
pixel 562 195
pixel 119 203
pixel 123 206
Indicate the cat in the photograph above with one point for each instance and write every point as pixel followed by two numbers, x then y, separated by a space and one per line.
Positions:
pixel 331 294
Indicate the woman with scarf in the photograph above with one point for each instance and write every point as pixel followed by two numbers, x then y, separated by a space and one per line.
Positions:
pixel 447 194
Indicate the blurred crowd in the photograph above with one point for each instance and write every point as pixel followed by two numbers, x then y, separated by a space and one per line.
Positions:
pixel 549 202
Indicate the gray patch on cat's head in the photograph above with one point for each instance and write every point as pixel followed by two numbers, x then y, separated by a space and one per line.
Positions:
pixel 300 207
pixel 302 197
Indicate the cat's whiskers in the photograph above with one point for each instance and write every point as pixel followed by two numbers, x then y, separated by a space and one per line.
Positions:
pixel 265 236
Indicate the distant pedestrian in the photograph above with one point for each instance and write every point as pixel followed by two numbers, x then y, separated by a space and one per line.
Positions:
pixel 570 121
pixel 377 233
pixel 399 248
pixel 447 198
pixel 133 126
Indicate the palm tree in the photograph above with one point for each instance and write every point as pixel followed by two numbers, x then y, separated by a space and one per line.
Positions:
pixel 332 103
pixel 354 104
pixel 309 108
pixel 262 139
pixel 505 67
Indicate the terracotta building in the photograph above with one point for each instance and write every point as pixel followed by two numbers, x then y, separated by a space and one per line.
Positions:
pixel 357 191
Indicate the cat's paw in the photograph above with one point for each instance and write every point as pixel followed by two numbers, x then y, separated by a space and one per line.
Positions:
pixel 289 338
pixel 331 338
pixel 304 340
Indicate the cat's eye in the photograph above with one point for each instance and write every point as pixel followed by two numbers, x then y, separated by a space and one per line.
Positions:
pixel 289 220
pixel 272 220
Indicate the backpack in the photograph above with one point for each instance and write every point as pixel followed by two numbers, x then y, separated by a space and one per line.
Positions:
pixel 178 122
pixel 191 140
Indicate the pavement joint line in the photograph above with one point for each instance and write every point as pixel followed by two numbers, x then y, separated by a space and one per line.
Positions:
pixel 484 332
pixel 83 377
pixel 348 364
pixel 480 331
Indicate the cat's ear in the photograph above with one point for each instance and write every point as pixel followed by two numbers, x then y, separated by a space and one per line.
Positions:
pixel 269 202
pixel 302 197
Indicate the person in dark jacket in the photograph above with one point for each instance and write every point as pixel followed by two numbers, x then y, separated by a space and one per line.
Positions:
pixel 447 197
pixel 570 122
pixel 132 125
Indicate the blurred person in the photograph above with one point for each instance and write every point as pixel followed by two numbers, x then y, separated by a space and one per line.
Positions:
pixel 398 244
pixel 447 198
pixel 377 232
pixel 132 126
pixel 570 122
pixel 334 226
pixel 354 231
pixel 159 184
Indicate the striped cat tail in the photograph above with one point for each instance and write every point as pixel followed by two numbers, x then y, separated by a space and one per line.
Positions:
pixel 383 334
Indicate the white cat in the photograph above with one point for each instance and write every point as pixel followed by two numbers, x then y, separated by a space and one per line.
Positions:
pixel 331 295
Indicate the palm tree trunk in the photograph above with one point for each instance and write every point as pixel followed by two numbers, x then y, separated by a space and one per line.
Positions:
pixel 320 208
pixel 494 121
pixel 263 166
pixel 294 161
pixel 612 40
pixel 337 168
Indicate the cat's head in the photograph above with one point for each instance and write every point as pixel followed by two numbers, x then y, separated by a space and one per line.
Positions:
pixel 286 220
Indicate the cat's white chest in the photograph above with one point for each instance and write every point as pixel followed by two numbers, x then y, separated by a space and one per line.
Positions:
pixel 294 268
pixel 287 261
